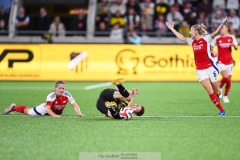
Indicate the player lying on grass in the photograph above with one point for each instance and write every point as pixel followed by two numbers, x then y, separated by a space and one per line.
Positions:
pixel 54 106
pixel 110 101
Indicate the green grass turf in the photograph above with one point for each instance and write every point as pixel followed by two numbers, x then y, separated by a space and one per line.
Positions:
pixel 180 122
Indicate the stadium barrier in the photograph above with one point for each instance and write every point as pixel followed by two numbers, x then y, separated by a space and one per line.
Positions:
pixel 75 62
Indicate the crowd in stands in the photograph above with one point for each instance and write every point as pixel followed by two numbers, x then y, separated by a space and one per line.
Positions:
pixel 147 17
pixel 134 19
pixel 4 15
pixel 54 27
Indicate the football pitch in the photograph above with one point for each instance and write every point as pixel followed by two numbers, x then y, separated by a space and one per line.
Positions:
pixel 180 123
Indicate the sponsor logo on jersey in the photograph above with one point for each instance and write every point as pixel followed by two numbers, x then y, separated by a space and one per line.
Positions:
pixel 225 45
pixel 198 46
pixel 59 107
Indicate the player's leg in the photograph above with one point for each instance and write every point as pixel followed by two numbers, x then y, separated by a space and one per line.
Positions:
pixel 101 106
pixel 227 80
pixel 39 110
pixel 224 79
pixel 216 88
pixel 222 70
pixel 227 90
pixel 118 82
pixel 213 77
pixel 208 87
pixel 13 107
pixel 228 74
pixel 204 78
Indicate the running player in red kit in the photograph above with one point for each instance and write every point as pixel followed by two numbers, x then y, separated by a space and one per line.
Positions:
pixel 54 106
pixel 224 43
pixel 206 66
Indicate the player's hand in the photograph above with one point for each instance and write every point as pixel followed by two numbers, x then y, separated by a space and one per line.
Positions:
pixel 169 25
pixel 81 115
pixel 214 54
pixel 134 93
pixel 225 19
pixel 56 116
pixel 135 90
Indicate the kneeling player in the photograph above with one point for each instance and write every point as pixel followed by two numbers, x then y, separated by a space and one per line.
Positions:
pixel 111 101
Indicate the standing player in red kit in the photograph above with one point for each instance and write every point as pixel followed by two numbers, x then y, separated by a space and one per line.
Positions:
pixel 54 106
pixel 206 66
pixel 224 43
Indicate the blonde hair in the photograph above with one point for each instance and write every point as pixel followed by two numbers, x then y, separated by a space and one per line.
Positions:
pixel 200 28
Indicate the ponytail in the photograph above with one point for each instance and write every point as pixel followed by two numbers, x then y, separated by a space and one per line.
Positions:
pixel 200 28
pixel 203 29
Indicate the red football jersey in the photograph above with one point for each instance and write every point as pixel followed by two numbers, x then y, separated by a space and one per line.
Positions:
pixel 202 52
pixel 224 45
pixel 58 103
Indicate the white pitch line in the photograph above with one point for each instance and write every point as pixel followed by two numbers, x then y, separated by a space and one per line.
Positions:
pixel 17 114
pixel 189 116
pixel 98 85
pixel 184 116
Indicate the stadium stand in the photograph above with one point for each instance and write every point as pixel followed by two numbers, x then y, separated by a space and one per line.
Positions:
pixel 101 21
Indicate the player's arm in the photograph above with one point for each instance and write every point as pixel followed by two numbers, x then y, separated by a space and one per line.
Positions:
pixel 77 109
pixel 131 91
pixel 117 95
pixel 219 27
pixel 214 53
pixel 23 23
pixel 235 47
pixel 213 43
pixel 74 103
pixel 50 112
pixel 132 99
pixel 235 43
pixel 177 34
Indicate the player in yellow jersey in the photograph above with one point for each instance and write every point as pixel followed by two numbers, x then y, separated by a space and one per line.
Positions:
pixel 110 101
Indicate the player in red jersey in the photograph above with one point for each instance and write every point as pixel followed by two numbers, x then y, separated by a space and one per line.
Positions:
pixel 207 70
pixel 54 106
pixel 224 43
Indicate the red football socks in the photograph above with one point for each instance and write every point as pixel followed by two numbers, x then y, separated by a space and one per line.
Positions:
pixel 19 108
pixel 222 82
pixel 228 86
pixel 226 80
pixel 216 101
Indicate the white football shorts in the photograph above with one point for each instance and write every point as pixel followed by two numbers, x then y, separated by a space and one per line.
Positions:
pixel 211 73
pixel 227 67
pixel 39 110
